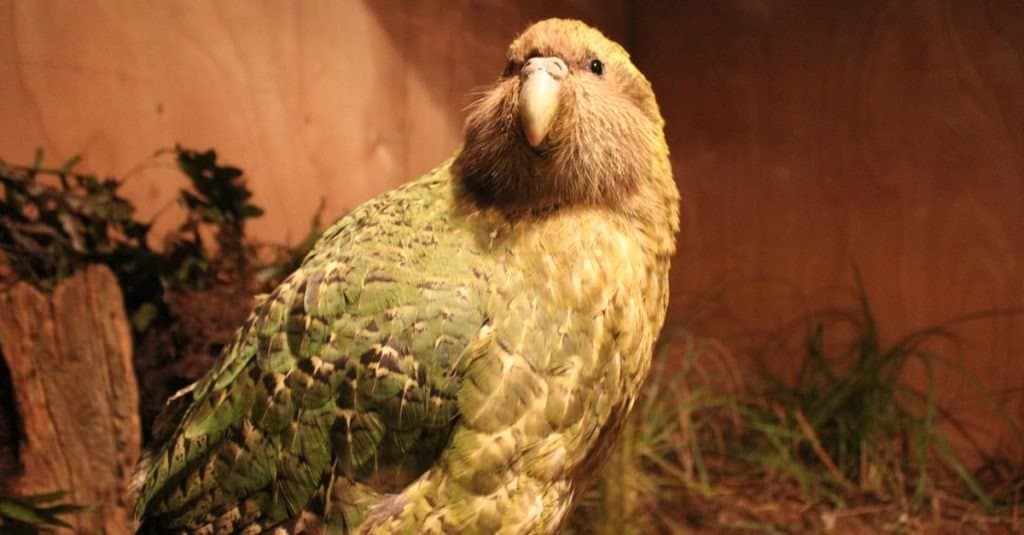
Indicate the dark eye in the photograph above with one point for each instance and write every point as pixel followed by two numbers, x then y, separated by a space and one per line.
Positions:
pixel 511 67
pixel 596 67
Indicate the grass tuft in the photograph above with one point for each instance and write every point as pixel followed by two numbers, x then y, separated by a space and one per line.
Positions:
pixel 845 442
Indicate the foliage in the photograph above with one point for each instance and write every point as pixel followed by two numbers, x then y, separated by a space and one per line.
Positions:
pixel 286 259
pixel 660 458
pixel 220 200
pixel 847 429
pixel 49 230
pixel 849 424
pixel 54 221
pixel 183 299
pixel 846 433
pixel 37 513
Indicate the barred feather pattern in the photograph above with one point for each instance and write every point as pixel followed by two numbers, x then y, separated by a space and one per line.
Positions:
pixel 442 361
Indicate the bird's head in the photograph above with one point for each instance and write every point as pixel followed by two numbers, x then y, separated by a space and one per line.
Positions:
pixel 570 121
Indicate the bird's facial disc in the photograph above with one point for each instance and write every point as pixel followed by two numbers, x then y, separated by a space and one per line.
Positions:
pixel 540 86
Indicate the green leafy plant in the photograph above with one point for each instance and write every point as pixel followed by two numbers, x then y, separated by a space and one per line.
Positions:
pixel 218 199
pixel 36 513
pixel 660 459
pixel 48 229
pixel 850 424
pixel 54 221
pixel 183 299
pixel 844 440
pixel 288 258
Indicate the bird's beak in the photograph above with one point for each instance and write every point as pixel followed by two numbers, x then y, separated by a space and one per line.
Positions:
pixel 541 83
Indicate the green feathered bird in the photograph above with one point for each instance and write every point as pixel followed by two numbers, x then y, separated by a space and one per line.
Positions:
pixel 457 355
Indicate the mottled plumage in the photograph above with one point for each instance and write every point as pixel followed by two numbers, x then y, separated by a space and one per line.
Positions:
pixel 456 355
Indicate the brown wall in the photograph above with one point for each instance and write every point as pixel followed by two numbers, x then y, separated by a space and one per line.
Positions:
pixel 811 135
pixel 806 135
pixel 334 99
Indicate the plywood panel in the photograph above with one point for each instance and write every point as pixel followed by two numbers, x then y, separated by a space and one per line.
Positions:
pixel 805 135
pixel 302 95
pixel 811 135
pixel 340 100
pixel 455 48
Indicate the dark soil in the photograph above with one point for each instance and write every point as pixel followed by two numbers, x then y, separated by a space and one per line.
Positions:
pixel 169 359
pixel 774 508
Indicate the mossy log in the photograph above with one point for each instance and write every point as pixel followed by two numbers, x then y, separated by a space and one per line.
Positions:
pixel 70 359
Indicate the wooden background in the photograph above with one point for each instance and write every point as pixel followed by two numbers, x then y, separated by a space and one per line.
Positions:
pixel 807 136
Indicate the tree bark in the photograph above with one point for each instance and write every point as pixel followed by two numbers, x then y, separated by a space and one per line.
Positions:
pixel 70 361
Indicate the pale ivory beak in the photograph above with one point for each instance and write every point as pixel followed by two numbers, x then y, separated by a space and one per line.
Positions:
pixel 541 83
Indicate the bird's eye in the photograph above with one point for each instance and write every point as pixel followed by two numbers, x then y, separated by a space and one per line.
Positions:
pixel 596 67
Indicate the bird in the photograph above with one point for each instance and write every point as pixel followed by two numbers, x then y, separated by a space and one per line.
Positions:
pixel 459 354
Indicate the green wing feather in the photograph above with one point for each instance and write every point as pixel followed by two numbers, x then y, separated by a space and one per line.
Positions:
pixel 349 359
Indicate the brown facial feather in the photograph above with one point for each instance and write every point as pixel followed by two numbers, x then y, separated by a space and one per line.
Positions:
pixel 604 147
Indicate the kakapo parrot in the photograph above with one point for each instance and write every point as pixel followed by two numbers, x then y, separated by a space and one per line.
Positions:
pixel 457 355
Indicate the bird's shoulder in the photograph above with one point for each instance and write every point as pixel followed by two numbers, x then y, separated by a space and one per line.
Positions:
pixel 349 357
pixel 378 278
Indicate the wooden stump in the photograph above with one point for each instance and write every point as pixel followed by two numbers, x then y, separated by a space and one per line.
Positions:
pixel 70 361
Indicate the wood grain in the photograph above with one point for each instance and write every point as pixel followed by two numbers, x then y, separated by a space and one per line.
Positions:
pixel 69 357
pixel 315 100
pixel 809 136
